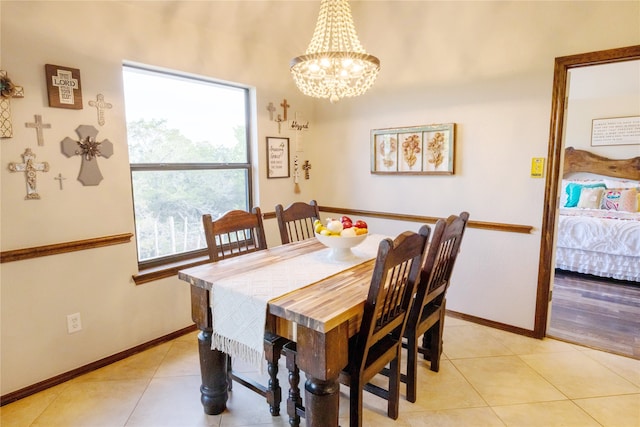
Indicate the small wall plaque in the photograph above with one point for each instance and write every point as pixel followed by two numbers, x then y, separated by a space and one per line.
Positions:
pixel 63 87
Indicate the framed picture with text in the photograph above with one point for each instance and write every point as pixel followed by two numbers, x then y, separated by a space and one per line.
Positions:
pixel 277 157
pixel 63 87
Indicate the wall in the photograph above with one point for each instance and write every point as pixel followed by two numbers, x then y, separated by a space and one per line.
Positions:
pixel 597 92
pixel 486 66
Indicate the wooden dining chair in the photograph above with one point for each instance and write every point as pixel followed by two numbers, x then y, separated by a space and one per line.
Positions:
pixel 296 221
pixel 236 233
pixel 426 318
pixel 379 341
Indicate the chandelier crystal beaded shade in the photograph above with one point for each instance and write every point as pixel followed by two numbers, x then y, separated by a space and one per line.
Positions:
pixel 335 65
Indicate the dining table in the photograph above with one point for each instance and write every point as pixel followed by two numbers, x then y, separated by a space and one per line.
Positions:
pixel 304 293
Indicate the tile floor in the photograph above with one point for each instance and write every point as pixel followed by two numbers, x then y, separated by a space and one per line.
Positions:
pixel 487 378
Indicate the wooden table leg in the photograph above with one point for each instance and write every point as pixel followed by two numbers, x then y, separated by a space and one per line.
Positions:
pixel 213 363
pixel 322 356
pixel 213 369
pixel 322 402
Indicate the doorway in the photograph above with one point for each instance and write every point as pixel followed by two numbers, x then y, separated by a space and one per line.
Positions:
pixel 554 169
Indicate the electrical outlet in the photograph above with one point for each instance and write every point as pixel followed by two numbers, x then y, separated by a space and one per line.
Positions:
pixel 74 323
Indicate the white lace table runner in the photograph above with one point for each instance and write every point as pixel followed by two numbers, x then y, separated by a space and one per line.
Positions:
pixel 239 303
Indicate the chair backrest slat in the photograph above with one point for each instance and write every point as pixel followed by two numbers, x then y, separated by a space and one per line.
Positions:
pixel 236 232
pixel 296 221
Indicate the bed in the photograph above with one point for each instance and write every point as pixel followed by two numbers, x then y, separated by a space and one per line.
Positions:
pixel 598 229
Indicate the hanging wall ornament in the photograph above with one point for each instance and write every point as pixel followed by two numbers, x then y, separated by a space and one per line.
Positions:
pixel 90 149
pixel 29 166
pixel 8 90
pixel 100 106
pixel 38 126
pixel 296 176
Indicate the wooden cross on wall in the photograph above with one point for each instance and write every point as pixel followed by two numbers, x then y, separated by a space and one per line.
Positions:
pixel 8 90
pixel 89 149
pixel 284 106
pixel 38 126
pixel 30 167
pixel 306 166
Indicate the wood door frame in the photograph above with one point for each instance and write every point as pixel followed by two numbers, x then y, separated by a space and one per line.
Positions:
pixel 554 167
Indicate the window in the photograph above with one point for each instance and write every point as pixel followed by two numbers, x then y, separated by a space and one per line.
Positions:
pixel 189 154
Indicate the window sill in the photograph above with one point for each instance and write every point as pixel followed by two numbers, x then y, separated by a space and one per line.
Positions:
pixel 167 270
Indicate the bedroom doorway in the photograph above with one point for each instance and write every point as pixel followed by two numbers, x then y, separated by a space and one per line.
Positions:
pixel 555 156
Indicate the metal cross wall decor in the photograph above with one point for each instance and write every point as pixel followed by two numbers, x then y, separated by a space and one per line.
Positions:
pixel 30 167
pixel 89 148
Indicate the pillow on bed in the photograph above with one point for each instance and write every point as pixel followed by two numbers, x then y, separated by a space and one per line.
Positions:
pixel 573 192
pixel 620 199
pixel 615 184
pixel 590 198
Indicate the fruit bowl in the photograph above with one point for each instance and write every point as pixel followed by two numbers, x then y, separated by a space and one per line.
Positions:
pixel 340 246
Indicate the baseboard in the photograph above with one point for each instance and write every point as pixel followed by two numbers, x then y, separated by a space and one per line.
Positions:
pixel 492 324
pixel 59 379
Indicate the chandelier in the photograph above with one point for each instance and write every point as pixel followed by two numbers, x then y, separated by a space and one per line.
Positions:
pixel 335 65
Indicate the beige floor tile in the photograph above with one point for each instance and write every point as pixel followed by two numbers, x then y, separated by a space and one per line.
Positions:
pixel 506 380
pixel 476 417
pixel 172 402
pixel 142 365
pixel 626 367
pixel 246 408
pixel 548 414
pixel 613 411
pixel 23 412
pixel 466 341
pixel 446 389
pixel 181 359
pixel 578 376
pixel 93 404
pixel 520 344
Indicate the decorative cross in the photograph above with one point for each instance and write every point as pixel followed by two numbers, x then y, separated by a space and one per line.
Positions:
pixel 279 120
pixel 284 106
pixel 100 106
pixel 89 149
pixel 271 109
pixel 60 178
pixel 38 126
pixel 8 90
pixel 306 166
pixel 30 167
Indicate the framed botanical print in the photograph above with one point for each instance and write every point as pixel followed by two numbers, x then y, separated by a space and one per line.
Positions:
pixel 417 150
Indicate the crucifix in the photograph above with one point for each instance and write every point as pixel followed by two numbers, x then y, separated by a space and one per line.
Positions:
pixel 284 106
pixel 306 166
pixel 100 106
pixel 38 126
pixel 271 109
pixel 59 178
pixel 90 150
pixel 30 167
pixel 8 90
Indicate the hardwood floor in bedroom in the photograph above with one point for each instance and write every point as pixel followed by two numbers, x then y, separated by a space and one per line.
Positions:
pixel 596 313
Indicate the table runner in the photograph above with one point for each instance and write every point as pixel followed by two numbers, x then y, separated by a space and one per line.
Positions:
pixel 239 303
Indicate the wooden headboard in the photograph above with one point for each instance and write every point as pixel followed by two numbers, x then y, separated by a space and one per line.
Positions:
pixel 584 161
